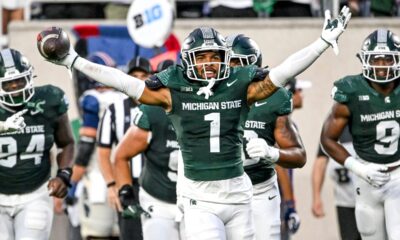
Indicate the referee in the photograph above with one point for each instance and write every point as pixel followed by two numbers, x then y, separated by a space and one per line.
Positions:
pixel 114 123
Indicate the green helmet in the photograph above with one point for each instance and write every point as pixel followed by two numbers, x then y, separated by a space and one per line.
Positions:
pixel 381 43
pixel 244 49
pixel 200 40
pixel 16 81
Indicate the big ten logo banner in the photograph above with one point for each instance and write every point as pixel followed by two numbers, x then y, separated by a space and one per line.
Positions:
pixel 150 22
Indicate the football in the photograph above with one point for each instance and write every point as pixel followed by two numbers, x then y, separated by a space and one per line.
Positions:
pixel 53 43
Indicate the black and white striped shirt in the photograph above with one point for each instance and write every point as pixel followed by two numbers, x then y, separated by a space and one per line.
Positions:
pixel 115 122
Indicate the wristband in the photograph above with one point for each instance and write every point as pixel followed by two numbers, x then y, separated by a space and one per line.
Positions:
pixel 65 175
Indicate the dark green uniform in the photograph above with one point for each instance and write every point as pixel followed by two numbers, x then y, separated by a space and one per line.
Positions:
pixel 260 123
pixel 209 130
pixel 374 121
pixel 25 158
pixel 159 174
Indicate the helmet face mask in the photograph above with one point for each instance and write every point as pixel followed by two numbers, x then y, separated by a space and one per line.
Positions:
pixel 202 41
pixel 16 80
pixel 244 51
pixel 380 55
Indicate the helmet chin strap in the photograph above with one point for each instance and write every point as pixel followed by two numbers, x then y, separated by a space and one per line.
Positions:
pixel 207 89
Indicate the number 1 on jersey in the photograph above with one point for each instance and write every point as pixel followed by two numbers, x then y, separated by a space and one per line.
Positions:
pixel 215 125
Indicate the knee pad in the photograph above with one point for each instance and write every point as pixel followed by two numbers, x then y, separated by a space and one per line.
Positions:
pixel 367 220
pixel 38 216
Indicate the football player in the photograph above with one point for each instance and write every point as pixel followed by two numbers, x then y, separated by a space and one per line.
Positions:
pixel 216 194
pixel 368 104
pixel 26 208
pixel 268 124
pixel 154 136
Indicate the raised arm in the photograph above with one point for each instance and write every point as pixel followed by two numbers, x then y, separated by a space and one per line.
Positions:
pixel 116 79
pixel 301 60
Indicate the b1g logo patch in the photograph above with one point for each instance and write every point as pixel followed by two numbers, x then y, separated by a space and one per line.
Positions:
pixel 150 15
pixel 150 22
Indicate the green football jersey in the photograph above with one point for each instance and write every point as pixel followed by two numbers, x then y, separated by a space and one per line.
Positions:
pixel 209 131
pixel 25 154
pixel 260 123
pixel 159 174
pixel 375 119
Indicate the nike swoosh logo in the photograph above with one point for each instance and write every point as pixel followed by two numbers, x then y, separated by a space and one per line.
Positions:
pixel 231 83
pixel 270 198
pixel 260 104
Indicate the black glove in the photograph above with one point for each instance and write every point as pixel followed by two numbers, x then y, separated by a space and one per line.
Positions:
pixel 129 203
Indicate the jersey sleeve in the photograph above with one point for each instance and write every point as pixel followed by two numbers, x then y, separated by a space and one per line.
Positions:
pixel 286 106
pixel 141 118
pixel 90 106
pixel 165 76
pixel 62 103
pixel 340 91
pixel 106 135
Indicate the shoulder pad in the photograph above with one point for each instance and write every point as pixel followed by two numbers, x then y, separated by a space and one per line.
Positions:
pixel 154 83
pixel 343 88
pixel 282 101
pixel 260 74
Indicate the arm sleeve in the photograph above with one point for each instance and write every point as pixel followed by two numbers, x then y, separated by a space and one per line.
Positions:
pixel 297 62
pixel 111 77
pixel 85 151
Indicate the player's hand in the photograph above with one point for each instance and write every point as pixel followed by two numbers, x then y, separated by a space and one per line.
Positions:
pixel 318 208
pixel 292 219
pixel 333 28
pixel 129 203
pixel 374 174
pixel 69 60
pixel 57 188
pixel 113 200
pixel 259 148
pixel 14 122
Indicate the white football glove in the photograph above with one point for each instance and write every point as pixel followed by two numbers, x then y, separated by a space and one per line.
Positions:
pixel 69 60
pixel 14 122
pixel 259 148
pixel 373 173
pixel 334 28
